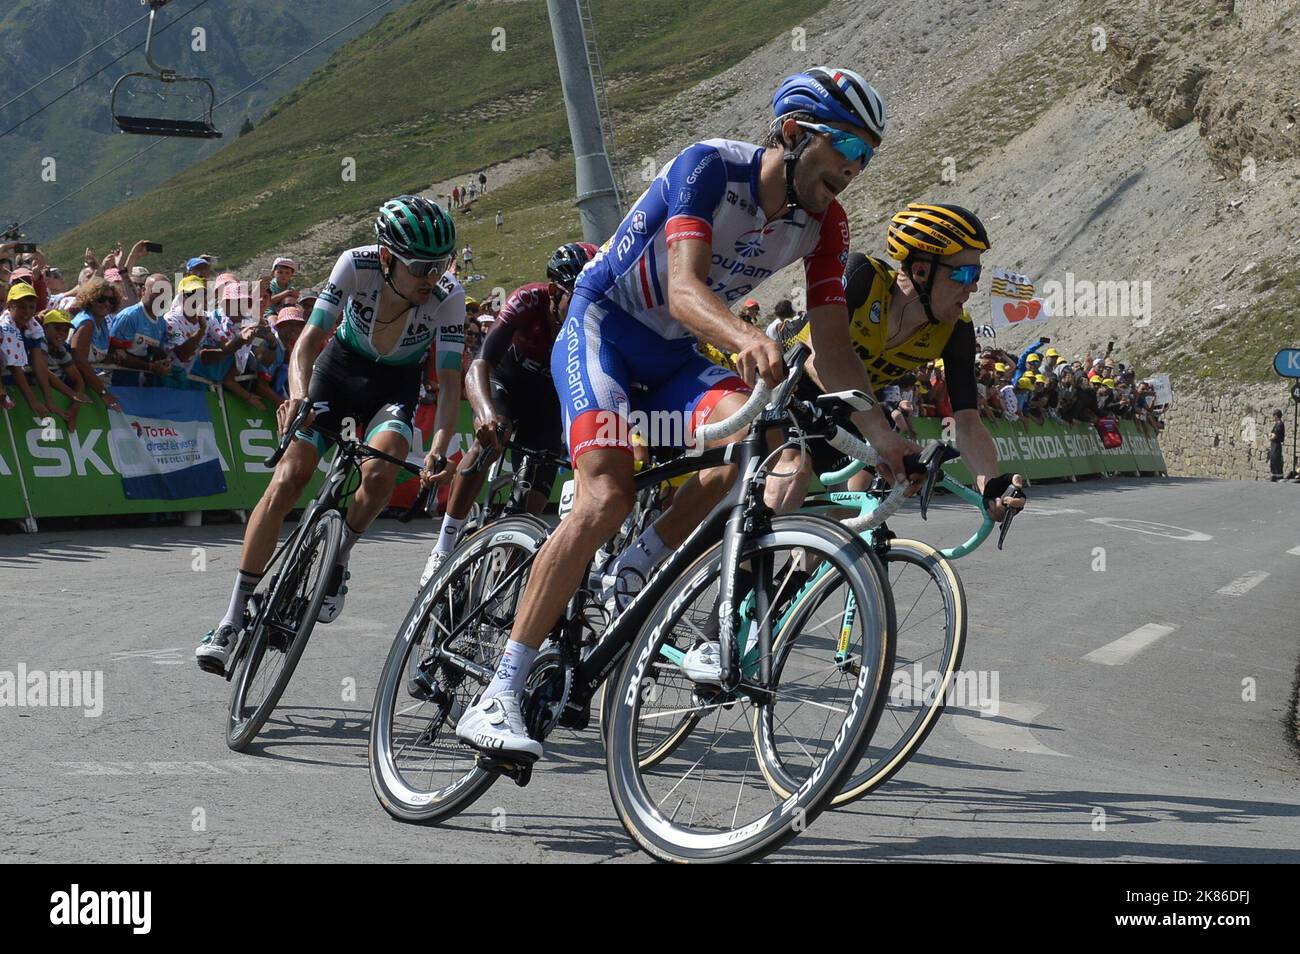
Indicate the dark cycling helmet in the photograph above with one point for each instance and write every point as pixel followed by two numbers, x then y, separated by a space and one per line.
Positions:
pixel 567 261
pixel 415 227
pixel 934 229
pixel 832 94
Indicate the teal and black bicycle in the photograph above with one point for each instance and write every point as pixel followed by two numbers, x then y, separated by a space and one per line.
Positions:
pixel 931 615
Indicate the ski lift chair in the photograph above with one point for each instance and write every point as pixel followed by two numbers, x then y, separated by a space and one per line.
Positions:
pixel 166 78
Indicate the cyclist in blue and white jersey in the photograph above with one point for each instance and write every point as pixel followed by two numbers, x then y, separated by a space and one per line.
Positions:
pixel 392 303
pixel 718 220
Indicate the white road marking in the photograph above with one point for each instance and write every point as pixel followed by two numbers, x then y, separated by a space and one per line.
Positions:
pixel 1125 648
pixel 1041 512
pixel 1154 529
pixel 998 734
pixel 1294 551
pixel 1243 583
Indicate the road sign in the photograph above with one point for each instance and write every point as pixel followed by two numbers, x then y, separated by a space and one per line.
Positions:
pixel 1287 362
pixel 1295 393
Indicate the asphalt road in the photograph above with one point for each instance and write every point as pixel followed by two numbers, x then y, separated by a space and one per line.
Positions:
pixel 1142 707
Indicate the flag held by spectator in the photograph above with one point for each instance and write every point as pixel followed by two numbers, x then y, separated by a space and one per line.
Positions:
pixel 164 445
pixel 1012 300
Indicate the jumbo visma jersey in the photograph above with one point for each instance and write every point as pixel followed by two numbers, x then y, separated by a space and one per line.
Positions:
pixel 868 288
pixel 354 289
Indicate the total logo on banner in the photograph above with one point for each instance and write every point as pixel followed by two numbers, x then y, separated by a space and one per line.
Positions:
pixel 164 445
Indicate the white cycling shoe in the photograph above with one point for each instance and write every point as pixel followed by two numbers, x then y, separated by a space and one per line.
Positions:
pixel 496 728
pixel 703 663
pixel 436 559
pixel 332 605
pixel 215 649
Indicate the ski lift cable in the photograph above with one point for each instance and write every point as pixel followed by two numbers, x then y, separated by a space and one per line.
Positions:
pixel 132 158
pixel 39 83
pixel 100 70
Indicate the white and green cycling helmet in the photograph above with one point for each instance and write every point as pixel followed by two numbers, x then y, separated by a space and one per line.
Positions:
pixel 416 229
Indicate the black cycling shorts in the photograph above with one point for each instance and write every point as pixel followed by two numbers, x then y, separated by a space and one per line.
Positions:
pixel 530 401
pixel 350 388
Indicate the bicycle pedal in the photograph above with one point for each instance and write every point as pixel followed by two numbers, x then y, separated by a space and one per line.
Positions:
pixel 521 772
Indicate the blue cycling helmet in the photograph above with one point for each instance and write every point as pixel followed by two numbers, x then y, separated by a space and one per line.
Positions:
pixel 832 94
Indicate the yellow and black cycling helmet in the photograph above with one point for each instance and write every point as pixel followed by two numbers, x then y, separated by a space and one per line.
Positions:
pixel 935 230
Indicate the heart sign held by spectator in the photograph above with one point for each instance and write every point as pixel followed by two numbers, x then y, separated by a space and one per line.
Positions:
pixel 1012 300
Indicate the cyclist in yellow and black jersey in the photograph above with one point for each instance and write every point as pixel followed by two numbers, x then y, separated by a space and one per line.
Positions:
pixel 901 319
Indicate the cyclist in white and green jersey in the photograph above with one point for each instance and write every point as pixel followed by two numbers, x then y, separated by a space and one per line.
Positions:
pixel 392 303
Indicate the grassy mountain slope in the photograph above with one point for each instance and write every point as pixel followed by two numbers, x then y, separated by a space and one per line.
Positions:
pixel 421 97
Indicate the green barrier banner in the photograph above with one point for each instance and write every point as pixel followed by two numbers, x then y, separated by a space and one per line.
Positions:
pixel 69 473
pixel 60 473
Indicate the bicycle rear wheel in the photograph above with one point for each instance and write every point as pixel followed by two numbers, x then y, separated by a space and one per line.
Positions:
pixel 278 634
pixel 931 618
pixel 709 801
pixel 419 770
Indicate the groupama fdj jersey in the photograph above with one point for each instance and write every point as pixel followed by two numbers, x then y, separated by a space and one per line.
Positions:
pixel 710 192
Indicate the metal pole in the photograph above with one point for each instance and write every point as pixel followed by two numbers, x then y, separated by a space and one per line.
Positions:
pixel 597 199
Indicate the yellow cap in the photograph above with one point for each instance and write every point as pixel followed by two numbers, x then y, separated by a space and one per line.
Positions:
pixel 20 290
pixel 999 367
pixel 1053 353
pixel 56 316
pixel 1108 382
pixel 192 283
pixel 1040 378
pixel 1026 382
pixel 1035 357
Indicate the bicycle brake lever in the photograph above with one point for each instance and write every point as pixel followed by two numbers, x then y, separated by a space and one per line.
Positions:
pixel 930 462
pixel 418 505
pixel 1014 492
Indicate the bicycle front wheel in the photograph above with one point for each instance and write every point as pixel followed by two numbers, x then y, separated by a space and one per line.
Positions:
pixel 278 634
pixel 442 658
pixel 931 618
pixel 708 800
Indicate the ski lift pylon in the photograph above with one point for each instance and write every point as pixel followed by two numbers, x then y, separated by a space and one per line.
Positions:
pixel 150 126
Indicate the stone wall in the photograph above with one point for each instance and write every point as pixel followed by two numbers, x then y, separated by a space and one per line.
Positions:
pixel 1225 435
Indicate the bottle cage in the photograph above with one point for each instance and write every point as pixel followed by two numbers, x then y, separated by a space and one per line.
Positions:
pixel 199 128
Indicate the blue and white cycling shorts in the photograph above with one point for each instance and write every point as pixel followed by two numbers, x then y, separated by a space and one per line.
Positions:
pixel 614 374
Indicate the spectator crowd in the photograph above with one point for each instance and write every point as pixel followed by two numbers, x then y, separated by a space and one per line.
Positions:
pixel 123 324
pixel 1035 385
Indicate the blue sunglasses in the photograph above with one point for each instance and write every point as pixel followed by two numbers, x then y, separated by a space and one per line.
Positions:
pixel 848 145
pixel 963 274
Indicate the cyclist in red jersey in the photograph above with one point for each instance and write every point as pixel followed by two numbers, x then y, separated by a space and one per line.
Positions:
pixel 509 386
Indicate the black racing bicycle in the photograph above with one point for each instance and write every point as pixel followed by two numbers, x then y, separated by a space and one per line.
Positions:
pixel 800 715
pixel 281 613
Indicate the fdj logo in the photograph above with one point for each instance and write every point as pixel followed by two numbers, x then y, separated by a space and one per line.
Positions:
pixel 638 222
pixel 750 244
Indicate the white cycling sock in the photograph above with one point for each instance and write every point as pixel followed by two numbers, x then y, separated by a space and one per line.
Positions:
pixel 350 537
pixel 512 670
pixel 245 583
pixel 448 534
pixel 642 556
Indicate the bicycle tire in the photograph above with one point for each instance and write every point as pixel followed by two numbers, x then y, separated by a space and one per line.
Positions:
pixel 398 795
pixel 328 529
pixel 876 768
pixel 663 837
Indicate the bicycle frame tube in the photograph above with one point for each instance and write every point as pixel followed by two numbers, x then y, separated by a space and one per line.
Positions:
pixel 726 519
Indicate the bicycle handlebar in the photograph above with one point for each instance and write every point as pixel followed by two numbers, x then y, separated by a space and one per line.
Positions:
pixel 748 413
pixel 361 449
